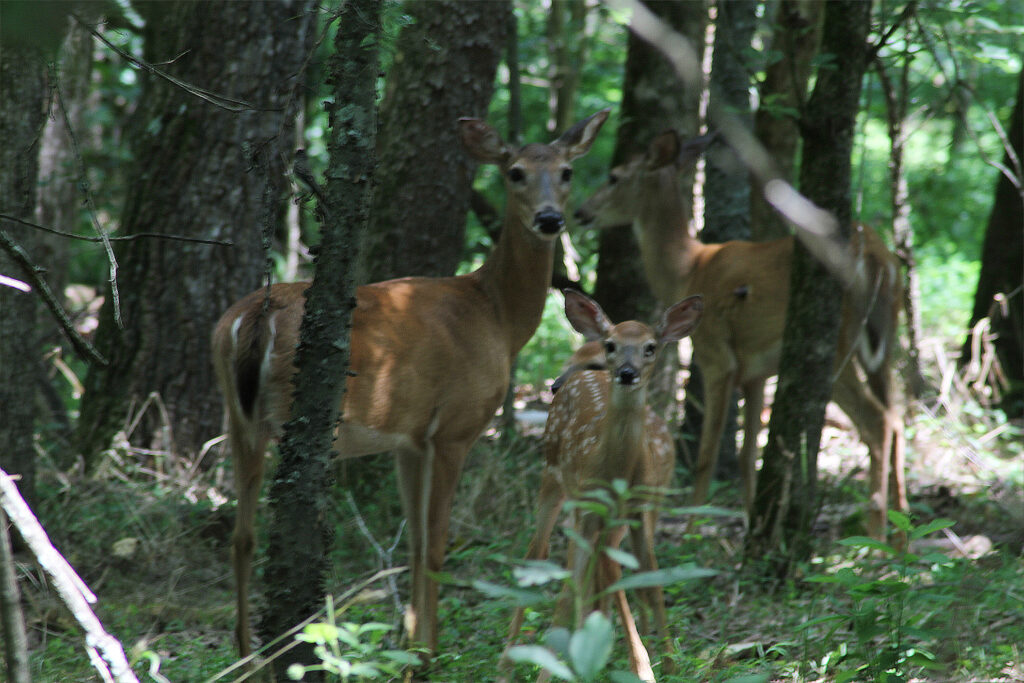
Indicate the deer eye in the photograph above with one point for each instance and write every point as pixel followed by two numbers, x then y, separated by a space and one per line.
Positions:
pixel 650 348
pixel 566 175
pixel 609 347
pixel 516 174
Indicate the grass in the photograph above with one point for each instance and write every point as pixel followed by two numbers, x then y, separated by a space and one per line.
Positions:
pixel 151 540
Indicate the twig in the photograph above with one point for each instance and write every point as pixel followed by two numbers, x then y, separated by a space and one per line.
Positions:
pixel 82 347
pixel 83 180
pixel 104 650
pixel 222 101
pixel 120 238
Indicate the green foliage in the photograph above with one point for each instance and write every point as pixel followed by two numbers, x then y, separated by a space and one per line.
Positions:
pixel 350 651
pixel 889 642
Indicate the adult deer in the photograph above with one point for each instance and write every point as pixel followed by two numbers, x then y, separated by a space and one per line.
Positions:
pixel 430 358
pixel 746 292
pixel 600 428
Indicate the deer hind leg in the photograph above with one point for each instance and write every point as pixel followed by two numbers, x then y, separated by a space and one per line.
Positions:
pixel 414 470
pixel 248 458
pixel 753 405
pixel 876 427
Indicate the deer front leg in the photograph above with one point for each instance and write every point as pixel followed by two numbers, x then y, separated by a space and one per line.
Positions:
pixel 414 470
pixel 718 387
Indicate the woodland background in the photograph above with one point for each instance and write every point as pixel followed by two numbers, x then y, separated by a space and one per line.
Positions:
pixel 146 181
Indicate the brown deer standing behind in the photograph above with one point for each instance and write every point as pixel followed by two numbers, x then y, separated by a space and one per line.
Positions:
pixel 746 292
pixel 431 358
pixel 599 429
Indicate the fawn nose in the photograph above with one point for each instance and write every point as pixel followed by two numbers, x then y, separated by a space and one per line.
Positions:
pixel 549 221
pixel 627 375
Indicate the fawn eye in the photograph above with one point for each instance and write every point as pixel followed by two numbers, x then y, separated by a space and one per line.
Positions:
pixel 516 174
pixel 609 347
pixel 650 348
pixel 566 175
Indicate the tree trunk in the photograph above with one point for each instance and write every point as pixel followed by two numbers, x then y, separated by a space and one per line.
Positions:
pixel 22 116
pixel 1000 292
pixel 447 57
pixel 896 101
pixel 726 197
pixel 202 171
pixel 795 40
pixel 786 499
pixel 653 99
pixel 299 532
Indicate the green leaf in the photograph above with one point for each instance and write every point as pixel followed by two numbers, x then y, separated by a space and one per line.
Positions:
pixel 931 527
pixel 590 647
pixel 402 657
pixel 623 677
pixel 558 639
pixel 900 520
pixel 539 572
pixel 622 557
pixel 661 577
pixel 542 657
pixel 520 595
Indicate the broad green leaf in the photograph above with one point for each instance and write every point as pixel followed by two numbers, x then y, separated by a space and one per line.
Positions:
pixel 865 542
pixel 661 577
pixel 542 657
pixel 623 677
pixel 622 557
pixel 590 647
pixel 900 520
pixel 931 527
pixel 539 572
pixel 520 595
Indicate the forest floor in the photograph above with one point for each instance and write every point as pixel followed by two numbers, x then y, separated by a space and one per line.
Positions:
pixel 150 535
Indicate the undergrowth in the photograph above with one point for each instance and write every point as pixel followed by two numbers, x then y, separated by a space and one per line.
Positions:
pixel 150 535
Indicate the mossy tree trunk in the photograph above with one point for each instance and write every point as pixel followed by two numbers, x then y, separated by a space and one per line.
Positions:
pixel 786 500
pixel 300 533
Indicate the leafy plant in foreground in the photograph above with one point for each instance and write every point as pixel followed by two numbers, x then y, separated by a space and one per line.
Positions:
pixel 886 633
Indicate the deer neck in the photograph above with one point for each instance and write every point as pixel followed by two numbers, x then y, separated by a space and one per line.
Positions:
pixel 625 435
pixel 662 229
pixel 516 277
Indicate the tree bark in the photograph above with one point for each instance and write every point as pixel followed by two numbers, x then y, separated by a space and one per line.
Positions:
pixel 786 499
pixel 726 198
pixel 23 85
pixel 201 171
pixel 300 533
pixel 445 62
pixel 1000 292
pixel 653 99
pixel 795 40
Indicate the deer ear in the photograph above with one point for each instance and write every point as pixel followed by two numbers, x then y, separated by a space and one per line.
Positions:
pixel 483 142
pixel 690 150
pixel 663 150
pixel 586 316
pixel 681 319
pixel 577 140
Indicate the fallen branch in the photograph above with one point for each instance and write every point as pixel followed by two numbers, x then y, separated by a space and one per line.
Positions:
pixel 104 650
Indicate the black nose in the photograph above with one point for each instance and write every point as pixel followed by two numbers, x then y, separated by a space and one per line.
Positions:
pixel 627 375
pixel 549 222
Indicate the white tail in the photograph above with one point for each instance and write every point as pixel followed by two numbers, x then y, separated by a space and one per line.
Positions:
pixel 600 429
pixel 431 358
pixel 746 291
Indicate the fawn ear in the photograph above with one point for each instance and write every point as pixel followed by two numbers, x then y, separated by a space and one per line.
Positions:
pixel 577 140
pixel 681 319
pixel 483 142
pixel 586 316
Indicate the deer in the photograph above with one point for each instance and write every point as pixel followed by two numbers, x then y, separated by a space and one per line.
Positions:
pixel 746 292
pixel 429 363
pixel 600 428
